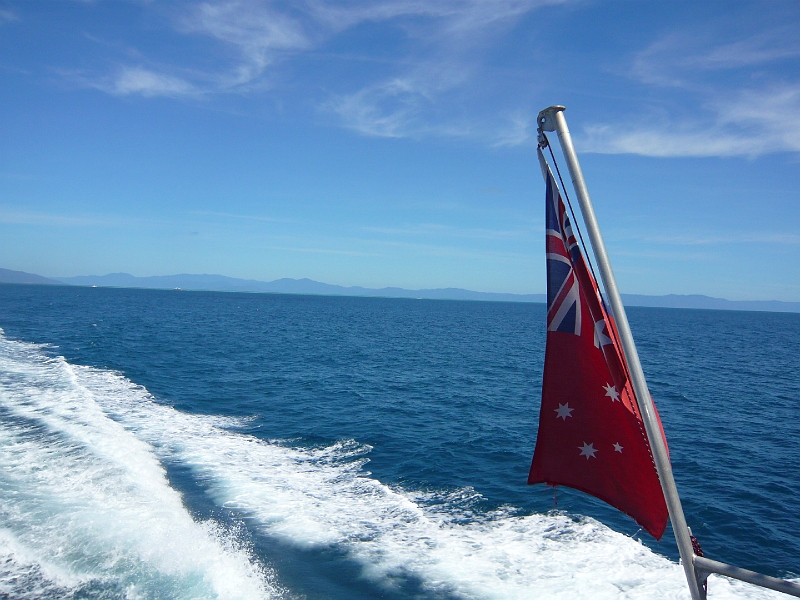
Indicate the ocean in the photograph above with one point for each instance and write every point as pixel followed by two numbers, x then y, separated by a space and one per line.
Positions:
pixel 174 444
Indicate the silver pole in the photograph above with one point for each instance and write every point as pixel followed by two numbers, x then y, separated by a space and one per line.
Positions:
pixel 552 119
pixel 780 585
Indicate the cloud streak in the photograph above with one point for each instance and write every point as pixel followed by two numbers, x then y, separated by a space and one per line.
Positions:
pixel 239 216
pixel 309 250
pixel 259 32
pixel 452 40
pixel 435 79
pixel 715 239
pixel 438 63
pixel 21 217
pixel 135 81
pixel 264 32
pixel 750 123
pixel 449 231
pixel 728 117
pixel 141 81
pixel 679 59
pixel 6 16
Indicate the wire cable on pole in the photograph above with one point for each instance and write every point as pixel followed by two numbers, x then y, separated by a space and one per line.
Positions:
pixel 572 213
pixel 611 330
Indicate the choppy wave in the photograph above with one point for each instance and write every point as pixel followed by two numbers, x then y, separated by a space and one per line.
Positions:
pixel 86 509
pixel 85 506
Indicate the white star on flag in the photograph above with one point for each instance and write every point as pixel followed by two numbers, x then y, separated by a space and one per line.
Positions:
pixel 563 411
pixel 600 338
pixel 617 447
pixel 588 451
pixel 611 392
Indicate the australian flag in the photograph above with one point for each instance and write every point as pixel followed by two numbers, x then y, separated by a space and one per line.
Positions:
pixel 591 436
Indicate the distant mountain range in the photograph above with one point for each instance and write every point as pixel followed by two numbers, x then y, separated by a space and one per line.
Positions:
pixel 9 276
pixel 221 283
pixel 286 286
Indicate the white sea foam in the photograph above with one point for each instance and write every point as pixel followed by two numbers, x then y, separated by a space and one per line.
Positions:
pixel 108 509
pixel 85 504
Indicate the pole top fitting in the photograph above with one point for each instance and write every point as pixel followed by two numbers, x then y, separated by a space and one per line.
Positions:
pixel 546 122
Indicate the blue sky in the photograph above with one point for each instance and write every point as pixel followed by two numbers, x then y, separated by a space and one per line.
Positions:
pixel 393 143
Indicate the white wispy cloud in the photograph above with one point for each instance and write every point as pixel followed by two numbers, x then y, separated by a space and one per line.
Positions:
pixel 259 32
pixel 7 15
pixel 733 97
pixel 256 40
pixel 134 80
pixel 316 250
pixel 402 106
pixel 715 238
pixel 263 32
pixel 449 231
pixel 683 59
pixel 264 219
pixel 439 83
pixel 388 109
pixel 763 48
pixel 147 83
pixel 518 130
pixel 771 115
pixel 448 62
pixel 665 142
pixel 658 64
pixel 449 18
pixel 23 217
pixel 419 103
pixel 750 122
pixel 465 252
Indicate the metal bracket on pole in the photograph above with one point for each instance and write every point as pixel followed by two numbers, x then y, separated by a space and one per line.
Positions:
pixel 547 122
pixel 552 119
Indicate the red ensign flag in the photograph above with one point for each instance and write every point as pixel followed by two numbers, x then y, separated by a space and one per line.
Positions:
pixel 591 436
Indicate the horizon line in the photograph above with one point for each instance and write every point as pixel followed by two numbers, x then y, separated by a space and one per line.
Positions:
pixel 308 286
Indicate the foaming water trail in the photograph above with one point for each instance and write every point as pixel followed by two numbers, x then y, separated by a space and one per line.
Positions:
pixel 95 473
pixel 85 506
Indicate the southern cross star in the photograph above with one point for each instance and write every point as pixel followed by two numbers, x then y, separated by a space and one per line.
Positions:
pixel 588 451
pixel 617 447
pixel 611 392
pixel 600 338
pixel 563 411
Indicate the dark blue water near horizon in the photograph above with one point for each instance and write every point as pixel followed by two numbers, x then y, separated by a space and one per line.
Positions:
pixel 441 397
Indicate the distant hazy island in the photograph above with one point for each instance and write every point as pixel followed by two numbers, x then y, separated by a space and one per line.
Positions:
pixel 220 283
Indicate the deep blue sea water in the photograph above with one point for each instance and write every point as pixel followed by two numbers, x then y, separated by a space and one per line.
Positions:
pixel 167 444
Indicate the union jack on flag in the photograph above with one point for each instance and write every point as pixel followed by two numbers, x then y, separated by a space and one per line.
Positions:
pixel 563 291
pixel 568 274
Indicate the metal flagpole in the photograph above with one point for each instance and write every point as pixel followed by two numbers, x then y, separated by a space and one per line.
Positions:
pixel 552 119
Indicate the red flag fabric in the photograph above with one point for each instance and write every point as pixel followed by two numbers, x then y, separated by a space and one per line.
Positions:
pixel 591 436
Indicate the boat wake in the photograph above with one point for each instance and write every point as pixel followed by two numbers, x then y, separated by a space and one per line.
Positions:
pixel 87 509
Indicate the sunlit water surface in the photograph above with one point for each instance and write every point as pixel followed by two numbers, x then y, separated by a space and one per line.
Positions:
pixel 166 444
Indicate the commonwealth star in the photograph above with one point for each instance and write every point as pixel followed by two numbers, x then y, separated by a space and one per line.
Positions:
pixel 611 392
pixel 588 451
pixel 564 411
